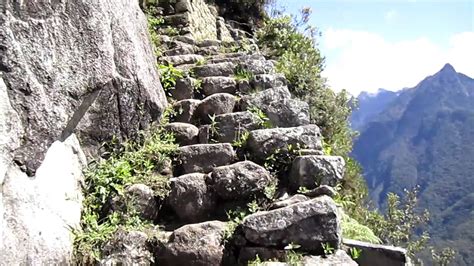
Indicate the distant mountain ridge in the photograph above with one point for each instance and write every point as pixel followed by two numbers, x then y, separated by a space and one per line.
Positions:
pixel 424 136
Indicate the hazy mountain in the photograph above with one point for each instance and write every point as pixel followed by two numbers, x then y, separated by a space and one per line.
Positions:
pixel 370 105
pixel 425 136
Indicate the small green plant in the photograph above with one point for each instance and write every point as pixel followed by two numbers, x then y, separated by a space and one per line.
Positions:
pixel 303 190
pixel 262 119
pixel 241 74
pixel 235 218
pixel 197 86
pixel 154 22
pixel 241 139
pixel 293 258
pixel 327 249
pixel 171 31
pixel 443 257
pixel 213 128
pixel 280 160
pixel 355 253
pixel 271 189
pixel 168 77
pixel 201 62
pixel 253 206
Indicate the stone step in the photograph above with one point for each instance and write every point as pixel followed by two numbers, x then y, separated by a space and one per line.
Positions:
pixel 311 171
pixel 232 126
pixel 202 158
pixel 277 104
pixel 183 59
pixel 218 84
pixel 183 111
pixel 184 133
pixel 308 223
pixel 265 142
pixel 218 69
pixel 185 88
pixel 216 104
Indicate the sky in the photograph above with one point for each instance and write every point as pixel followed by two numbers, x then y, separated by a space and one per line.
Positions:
pixel 390 44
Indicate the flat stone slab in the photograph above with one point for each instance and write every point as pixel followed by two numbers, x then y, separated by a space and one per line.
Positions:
pixel 311 171
pixel 373 254
pixel 202 158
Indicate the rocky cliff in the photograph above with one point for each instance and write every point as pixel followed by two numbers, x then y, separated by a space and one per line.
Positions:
pixel 72 75
pixel 248 182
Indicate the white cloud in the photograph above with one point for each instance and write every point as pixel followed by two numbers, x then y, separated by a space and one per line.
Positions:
pixel 390 15
pixel 364 61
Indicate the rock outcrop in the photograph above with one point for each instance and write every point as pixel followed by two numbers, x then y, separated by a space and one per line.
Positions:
pixel 72 75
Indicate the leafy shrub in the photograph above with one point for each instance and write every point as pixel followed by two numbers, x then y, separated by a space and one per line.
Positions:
pixel 104 179
pixel 168 77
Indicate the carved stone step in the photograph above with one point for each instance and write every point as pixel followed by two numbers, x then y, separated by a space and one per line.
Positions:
pixel 218 69
pixel 177 60
pixel 211 85
pixel 203 158
pixel 311 171
pixel 264 142
pixel 183 110
pixel 185 134
pixel 216 104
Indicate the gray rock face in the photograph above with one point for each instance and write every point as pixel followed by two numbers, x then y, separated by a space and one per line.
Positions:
pixel 194 244
pixel 289 201
pixel 185 134
pixel 211 85
pixel 339 257
pixel 66 67
pixel 256 64
pixel 184 110
pixel 177 60
pixel 127 248
pixel 216 104
pixel 281 109
pixel 203 157
pixel 321 190
pixel 190 197
pixel 263 142
pixel 240 180
pixel 218 69
pixel 231 126
pixel 65 72
pixel 266 81
pixel 139 198
pixel 311 171
pixel 373 254
pixel 309 224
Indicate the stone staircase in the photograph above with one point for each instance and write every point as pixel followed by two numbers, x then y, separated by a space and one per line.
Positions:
pixel 246 148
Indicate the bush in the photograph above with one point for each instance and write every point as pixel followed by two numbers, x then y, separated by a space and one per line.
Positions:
pixel 128 164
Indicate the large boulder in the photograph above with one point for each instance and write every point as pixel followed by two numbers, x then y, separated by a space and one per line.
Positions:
pixel 191 198
pixel 64 71
pixel 211 85
pixel 240 180
pixel 138 198
pixel 184 133
pixel 232 126
pixel 374 254
pixel 216 104
pixel 204 157
pixel 277 104
pixel 194 244
pixel 308 223
pixel 311 171
pixel 264 142
pixel 217 69
pixel 127 248
pixel 183 110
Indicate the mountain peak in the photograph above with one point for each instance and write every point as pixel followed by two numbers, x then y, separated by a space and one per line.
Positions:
pixel 448 68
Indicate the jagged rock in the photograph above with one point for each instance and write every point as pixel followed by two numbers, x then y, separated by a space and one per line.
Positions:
pixel 310 152
pixel 194 244
pixel 211 85
pixel 180 49
pixel 185 39
pixel 204 157
pixel 240 180
pixel 209 42
pixel 178 20
pixel 373 254
pixel 139 198
pixel 289 201
pixel 277 104
pixel 244 86
pixel 185 134
pixel 127 248
pixel 184 110
pixel 339 257
pixel 266 81
pixel 232 126
pixel 311 171
pixel 256 64
pixel 218 69
pixel 184 89
pixel 177 60
pixel 216 104
pixel 263 142
pixel 309 224
pixel 319 191
pixel 191 198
